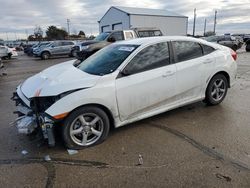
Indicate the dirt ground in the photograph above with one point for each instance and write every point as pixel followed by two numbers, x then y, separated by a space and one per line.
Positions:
pixel 192 146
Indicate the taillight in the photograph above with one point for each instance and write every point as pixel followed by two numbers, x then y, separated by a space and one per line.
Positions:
pixel 234 55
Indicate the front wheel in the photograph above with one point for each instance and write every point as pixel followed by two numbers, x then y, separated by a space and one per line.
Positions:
pixel 216 90
pixel 86 126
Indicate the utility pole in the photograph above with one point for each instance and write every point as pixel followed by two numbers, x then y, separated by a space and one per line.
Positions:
pixel 68 21
pixel 215 20
pixel 205 27
pixel 194 22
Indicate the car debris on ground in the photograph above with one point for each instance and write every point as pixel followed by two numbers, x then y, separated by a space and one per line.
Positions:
pixel 140 160
pixel 24 152
pixel 47 158
pixel 72 151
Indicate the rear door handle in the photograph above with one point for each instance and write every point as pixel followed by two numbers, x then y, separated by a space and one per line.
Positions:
pixel 207 61
pixel 168 73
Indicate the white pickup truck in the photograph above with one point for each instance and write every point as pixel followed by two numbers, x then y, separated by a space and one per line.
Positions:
pixel 87 48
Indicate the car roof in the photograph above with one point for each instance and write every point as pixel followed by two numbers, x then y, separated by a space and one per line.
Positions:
pixel 149 40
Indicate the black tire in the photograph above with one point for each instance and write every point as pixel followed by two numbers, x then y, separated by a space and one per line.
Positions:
pixel 73 120
pixel 9 55
pixel 45 55
pixel 211 88
pixel 248 47
pixel 73 53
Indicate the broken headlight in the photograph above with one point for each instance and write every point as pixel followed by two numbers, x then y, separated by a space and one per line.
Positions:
pixel 41 104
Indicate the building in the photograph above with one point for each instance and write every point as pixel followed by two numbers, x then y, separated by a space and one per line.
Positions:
pixel 119 18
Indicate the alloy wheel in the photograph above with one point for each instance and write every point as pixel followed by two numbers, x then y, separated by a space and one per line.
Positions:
pixel 218 89
pixel 86 129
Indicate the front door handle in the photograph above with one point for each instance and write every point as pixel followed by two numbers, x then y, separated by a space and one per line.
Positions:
pixel 168 73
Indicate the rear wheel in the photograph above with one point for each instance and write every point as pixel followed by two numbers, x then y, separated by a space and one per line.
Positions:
pixel 73 53
pixel 248 47
pixel 9 55
pixel 45 55
pixel 216 90
pixel 87 126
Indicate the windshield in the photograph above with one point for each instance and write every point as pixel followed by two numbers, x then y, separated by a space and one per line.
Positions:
pixel 107 60
pixel 101 37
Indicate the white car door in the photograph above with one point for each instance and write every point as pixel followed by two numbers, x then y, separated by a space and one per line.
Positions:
pixel 193 69
pixel 150 85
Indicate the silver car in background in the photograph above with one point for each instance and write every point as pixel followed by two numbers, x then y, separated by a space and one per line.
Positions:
pixel 226 40
pixel 55 48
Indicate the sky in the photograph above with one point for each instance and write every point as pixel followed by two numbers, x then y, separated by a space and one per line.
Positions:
pixel 19 18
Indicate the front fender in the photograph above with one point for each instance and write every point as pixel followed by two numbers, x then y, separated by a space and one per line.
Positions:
pixel 84 97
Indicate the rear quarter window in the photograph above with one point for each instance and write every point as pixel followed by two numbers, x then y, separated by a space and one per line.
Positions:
pixel 207 49
pixel 187 50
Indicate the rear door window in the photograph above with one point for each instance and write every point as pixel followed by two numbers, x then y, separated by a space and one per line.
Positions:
pixel 186 50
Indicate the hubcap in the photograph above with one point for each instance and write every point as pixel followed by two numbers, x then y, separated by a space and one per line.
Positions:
pixel 86 129
pixel 218 89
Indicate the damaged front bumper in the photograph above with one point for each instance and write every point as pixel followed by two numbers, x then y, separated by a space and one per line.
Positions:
pixel 30 121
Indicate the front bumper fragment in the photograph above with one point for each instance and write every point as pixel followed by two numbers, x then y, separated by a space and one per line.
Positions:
pixel 29 121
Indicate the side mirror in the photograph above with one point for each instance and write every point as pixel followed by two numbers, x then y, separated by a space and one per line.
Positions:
pixel 111 39
pixel 125 72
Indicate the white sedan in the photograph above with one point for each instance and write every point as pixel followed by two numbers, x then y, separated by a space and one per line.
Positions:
pixel 123 83
pixel 6 52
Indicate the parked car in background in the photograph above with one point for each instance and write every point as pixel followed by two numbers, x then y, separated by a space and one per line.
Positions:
pixel 124 82
pixel 39 47
pixel 86 49
pixel 55 48
pixel 28 49
pixel 226 40
pixel 246 38
pixel 3 52
pixel 7 53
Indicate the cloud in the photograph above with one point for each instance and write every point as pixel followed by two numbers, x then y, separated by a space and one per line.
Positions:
pixel 21 16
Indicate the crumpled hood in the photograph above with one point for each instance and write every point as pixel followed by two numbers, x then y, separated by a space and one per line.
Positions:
pixel 58 79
